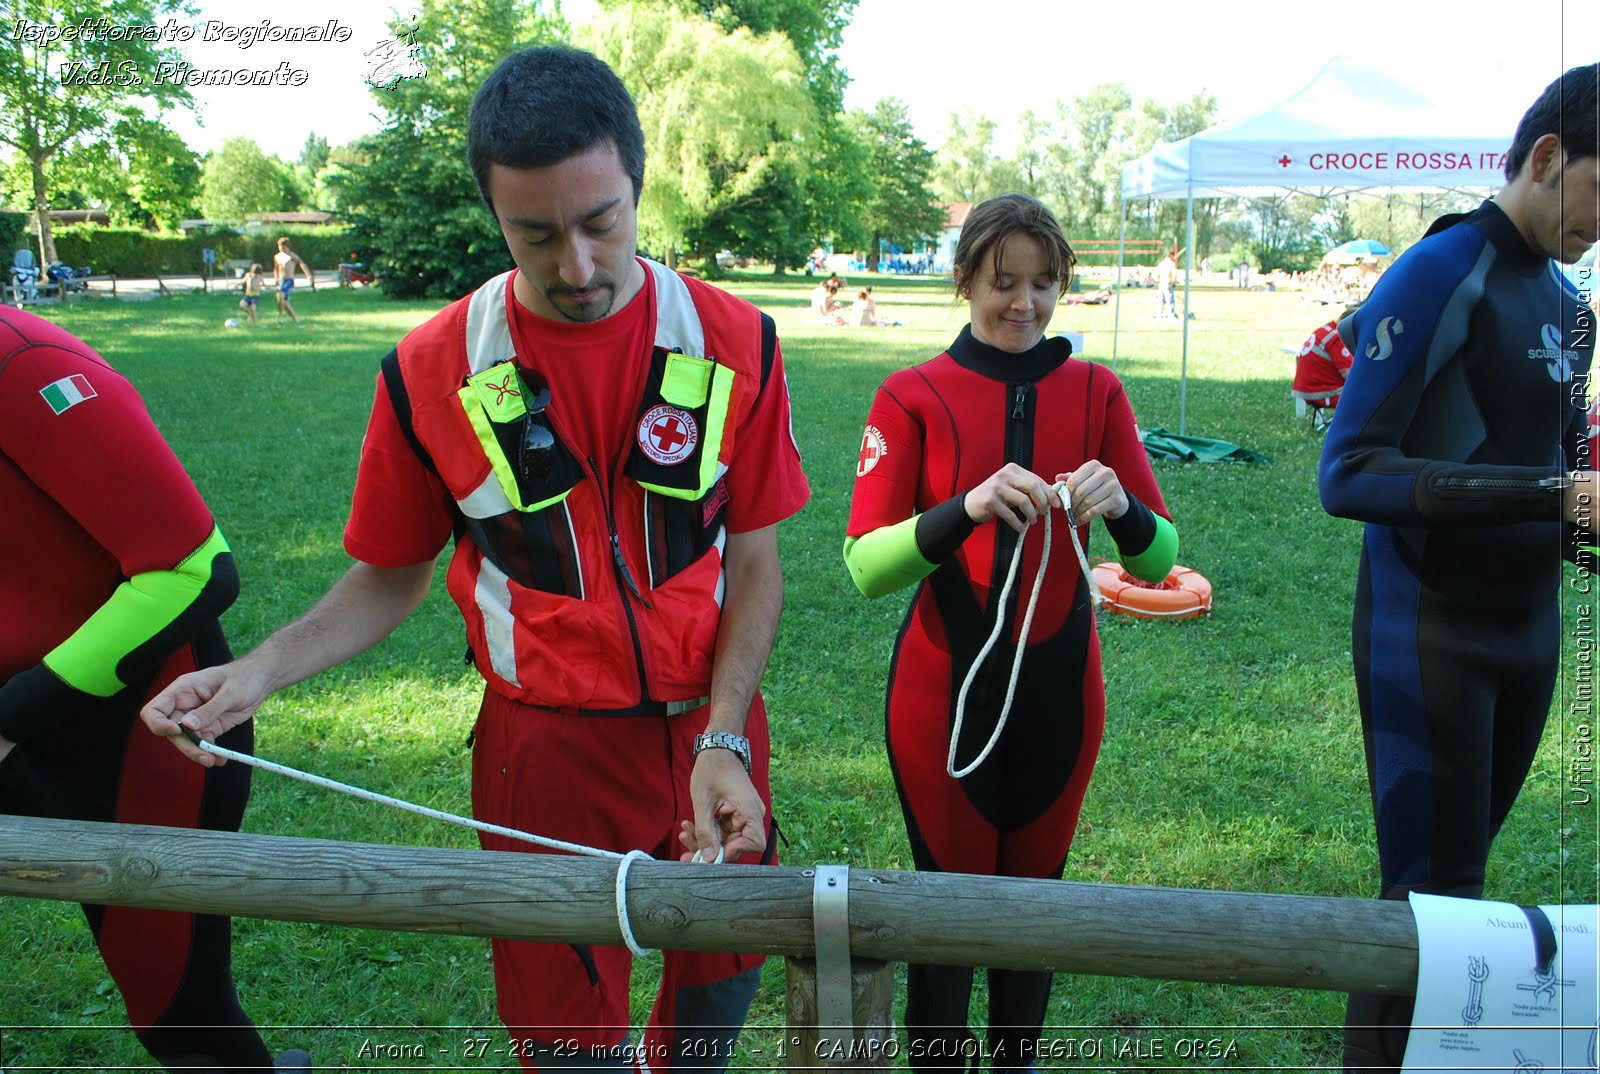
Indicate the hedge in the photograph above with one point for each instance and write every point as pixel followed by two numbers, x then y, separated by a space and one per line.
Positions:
pixel 129 251
pixel 13 232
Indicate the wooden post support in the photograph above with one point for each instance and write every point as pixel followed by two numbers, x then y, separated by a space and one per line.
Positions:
pixel 1294 941
pixel 871 999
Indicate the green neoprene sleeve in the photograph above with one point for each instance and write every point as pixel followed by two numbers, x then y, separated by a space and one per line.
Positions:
pixel 887 559
pixel 137 611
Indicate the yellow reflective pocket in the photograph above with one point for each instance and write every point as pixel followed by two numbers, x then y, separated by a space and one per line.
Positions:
pixel 499 391
pixel 686 380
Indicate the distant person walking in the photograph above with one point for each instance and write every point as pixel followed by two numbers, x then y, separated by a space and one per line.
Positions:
pixel 1167 284
pixel 283 265
pixel 252 291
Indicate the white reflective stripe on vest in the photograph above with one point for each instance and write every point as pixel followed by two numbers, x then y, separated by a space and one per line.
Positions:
pixel 677 321
pixel 485 501
pixel 488 331
pixel 720 544
pixel 493 597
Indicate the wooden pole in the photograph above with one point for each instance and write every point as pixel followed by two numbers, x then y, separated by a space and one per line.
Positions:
pixel 1342 945
pixel 871 1046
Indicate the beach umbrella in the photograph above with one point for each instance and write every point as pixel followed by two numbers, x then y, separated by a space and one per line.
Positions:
pixel 1355 250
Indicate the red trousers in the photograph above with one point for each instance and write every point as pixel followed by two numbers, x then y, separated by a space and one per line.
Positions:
pixel 615 783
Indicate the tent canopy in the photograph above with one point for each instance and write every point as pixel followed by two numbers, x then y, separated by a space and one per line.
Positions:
pixel 1352 127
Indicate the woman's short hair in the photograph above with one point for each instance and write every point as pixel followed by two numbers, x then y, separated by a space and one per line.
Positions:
pixel 991 223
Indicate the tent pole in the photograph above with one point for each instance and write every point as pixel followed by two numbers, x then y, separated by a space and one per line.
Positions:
pixel 1116 309
pixel 1183 380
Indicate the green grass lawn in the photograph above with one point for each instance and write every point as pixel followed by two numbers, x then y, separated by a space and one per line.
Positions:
pixel 1232 757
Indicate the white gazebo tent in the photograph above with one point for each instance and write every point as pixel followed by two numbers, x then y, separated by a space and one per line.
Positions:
pixel 1351 129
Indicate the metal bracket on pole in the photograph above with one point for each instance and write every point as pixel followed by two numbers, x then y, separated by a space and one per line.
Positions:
pixel 830 914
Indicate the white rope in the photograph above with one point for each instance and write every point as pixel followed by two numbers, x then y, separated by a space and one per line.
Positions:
pixel 624 861
pixel 622 904
pixel 1022 641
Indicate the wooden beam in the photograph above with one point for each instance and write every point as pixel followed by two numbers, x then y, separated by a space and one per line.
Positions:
pixel 1294 941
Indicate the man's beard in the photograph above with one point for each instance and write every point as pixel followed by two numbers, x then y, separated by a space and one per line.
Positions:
pixel 586 312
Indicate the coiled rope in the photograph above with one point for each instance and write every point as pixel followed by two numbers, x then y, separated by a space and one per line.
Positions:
pixel 1060 489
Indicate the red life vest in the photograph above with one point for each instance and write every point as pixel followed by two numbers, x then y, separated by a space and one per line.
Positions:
pixel 582 589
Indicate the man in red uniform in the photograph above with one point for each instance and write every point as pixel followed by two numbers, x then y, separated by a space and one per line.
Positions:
pixel 1323 365
pixel 609 442
pixel 112 575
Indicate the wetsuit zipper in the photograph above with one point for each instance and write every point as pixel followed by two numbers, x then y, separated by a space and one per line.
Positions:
pixel 624 576
pixel 1018 449
pixel 1524 484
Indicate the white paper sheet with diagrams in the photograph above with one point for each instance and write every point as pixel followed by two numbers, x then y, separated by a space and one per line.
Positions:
pixel 1503 988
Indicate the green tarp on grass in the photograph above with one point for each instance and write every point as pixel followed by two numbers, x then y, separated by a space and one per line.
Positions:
pixel 1160 444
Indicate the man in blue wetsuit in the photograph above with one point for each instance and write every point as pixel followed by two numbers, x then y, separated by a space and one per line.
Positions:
pixel 1459 442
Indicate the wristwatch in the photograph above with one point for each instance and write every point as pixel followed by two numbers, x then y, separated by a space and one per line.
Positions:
pixel 724 740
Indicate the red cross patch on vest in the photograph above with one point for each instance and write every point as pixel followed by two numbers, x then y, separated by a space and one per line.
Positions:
pixel 668 435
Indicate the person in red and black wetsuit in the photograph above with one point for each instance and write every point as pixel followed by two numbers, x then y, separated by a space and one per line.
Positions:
pixel 112 575
pixel 947 480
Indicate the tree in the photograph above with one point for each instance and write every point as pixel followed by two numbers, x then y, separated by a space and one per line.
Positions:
pixel 968 169
pixel 314 155
pixel 803 199
pixel 814 187
pixel 413 201
pixel 162 174
pixel 1286 231
pixel 1092 169
pixel 144 174
pixel 903 209
pixel 815 28
pixel 1399 219
pixel 240 178
pixel 714 106
pixel 1031 160
pixel 1164 125
pixel 114 80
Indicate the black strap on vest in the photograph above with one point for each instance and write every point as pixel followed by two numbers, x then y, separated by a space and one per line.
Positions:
pixel 400 403
pixel 769 350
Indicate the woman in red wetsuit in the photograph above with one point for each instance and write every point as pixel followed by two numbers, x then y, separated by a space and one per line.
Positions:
pixel 948 480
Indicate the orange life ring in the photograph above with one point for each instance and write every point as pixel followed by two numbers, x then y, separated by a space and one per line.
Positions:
pixel 1185 594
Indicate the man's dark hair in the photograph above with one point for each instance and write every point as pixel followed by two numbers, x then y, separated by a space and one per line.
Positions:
pixel 1569 108
pixel 543 105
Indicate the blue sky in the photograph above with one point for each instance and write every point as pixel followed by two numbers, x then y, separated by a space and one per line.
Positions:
pixel 939 56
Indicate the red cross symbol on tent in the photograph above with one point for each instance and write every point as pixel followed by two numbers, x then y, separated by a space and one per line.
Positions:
pixel 669 434
pixel 1284 161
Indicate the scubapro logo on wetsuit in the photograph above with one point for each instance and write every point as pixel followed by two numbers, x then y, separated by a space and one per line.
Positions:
pixel 1557 360
pixel 668 435
pixel 1388 328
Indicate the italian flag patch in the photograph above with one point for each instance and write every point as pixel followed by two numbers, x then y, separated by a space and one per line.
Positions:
pixel 67 392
